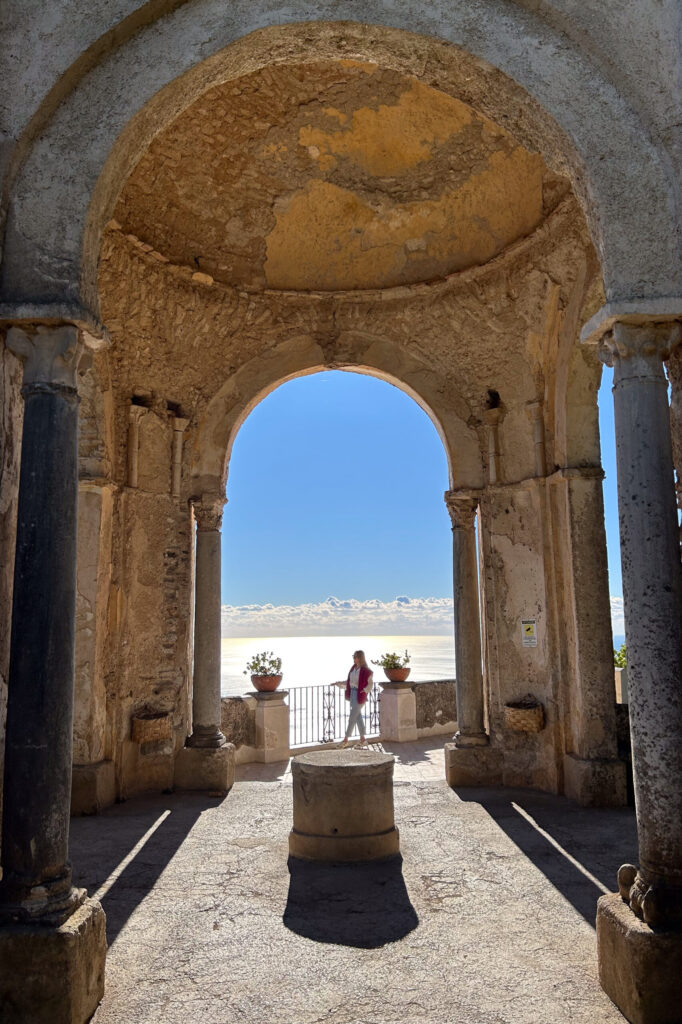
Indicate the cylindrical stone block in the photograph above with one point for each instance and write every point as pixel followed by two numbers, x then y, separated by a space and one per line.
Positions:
pixel 343 806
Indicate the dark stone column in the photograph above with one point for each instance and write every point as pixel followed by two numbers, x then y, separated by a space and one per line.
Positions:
pixel 36 882
pixel 652 590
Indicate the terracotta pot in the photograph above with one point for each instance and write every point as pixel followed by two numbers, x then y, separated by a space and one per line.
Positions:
pixel 266 684
pixel 396 675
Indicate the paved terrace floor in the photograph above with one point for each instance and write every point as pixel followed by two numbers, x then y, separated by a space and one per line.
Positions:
pixel 488 918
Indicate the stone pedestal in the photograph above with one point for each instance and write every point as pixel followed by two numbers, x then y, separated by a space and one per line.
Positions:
pixel 593 782
pixel 473 765
pixel 398 712
pixel 343 806
pixel 272 726
pixel 53 975
pixel 205 768
pixel 639 969
pixel 93 787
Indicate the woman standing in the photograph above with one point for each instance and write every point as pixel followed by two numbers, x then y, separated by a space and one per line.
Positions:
pixel 358 685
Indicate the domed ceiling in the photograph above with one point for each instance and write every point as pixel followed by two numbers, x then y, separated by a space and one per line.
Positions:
pixel 332 176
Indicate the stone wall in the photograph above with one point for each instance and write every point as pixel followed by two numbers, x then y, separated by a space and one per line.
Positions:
pixel 436 704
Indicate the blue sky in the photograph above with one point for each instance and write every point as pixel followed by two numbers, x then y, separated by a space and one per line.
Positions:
pixel 336 490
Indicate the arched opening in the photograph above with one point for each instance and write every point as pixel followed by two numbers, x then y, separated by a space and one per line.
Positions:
pixel 335 527
pixel 343 213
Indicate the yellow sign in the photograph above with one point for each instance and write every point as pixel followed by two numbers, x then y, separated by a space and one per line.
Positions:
pixel 529 632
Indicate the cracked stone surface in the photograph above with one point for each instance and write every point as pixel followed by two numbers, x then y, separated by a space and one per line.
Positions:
pixel 488 918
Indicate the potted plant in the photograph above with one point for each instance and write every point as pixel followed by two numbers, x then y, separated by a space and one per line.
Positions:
pixel 394 666
pixel 265 670
pixel 620 662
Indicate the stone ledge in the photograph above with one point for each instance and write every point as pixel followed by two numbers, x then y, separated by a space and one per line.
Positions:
pixel 595 783
pixel 205 768
pixel 472 766
pixel 639 969
pixel 53 975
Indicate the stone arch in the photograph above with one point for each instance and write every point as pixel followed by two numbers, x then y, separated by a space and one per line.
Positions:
pixel 377 357
pixel 502 58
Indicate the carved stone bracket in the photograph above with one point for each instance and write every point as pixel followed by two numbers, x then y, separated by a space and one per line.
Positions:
pixel 462 509
pixel 208 511
pixel 50 354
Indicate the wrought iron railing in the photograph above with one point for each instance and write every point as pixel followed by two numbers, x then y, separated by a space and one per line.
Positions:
pixel 319 714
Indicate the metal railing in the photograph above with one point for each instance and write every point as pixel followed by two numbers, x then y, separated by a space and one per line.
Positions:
pixel 319 714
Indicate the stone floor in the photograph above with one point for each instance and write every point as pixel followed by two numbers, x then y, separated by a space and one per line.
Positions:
pixel 488 918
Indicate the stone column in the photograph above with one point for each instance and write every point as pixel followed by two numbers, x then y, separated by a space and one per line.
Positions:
pixel 464 766
pixel 634 961
pixel 135 414
pixel 469 674
pixel 207 762
pixel 179 427
pixel 206 678
pixel 36 884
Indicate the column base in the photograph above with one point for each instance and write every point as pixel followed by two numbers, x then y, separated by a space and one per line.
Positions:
pixel 206 737
pixel 639 969
pixel 53 975
pixel 341 849
pixel 472 766
pixel 93 787
pixel 205 768
pixel 595 782
pixel 471 739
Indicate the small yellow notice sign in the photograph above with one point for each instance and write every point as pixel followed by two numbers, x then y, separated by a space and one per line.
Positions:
pixel 529 632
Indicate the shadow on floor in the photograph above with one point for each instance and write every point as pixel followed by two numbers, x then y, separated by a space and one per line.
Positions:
pixel 276 771
pixel 578 849
pixel 121 866
pixel 361 905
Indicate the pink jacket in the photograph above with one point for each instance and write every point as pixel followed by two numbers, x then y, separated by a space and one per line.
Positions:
pixel 363 682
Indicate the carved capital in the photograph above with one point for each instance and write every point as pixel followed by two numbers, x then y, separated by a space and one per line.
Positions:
pixel 462 509
pixel 135 414
pixel 639 342
pixel 208 511
pixel 50 354
pixel 180 424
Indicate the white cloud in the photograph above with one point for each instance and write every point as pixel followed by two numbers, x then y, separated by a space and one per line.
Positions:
pixel 617 616
pixel 334 617
pixel 408 616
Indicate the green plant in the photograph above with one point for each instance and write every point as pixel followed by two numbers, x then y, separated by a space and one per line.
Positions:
pixel 393 660
pixel 265 664
pixel 620 657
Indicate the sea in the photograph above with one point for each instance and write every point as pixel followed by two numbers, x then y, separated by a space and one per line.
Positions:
pixel 314 660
